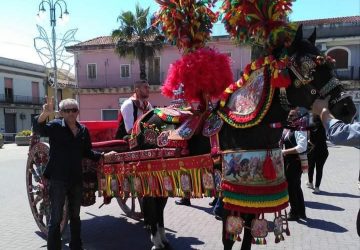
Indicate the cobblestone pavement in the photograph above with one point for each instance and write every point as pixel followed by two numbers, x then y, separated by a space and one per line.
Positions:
pixel 331 222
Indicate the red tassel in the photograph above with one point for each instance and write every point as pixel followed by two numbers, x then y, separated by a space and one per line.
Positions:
pixel 268 168
pixel 282 80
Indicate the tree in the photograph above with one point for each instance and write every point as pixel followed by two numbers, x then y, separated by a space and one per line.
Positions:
pixel 137 38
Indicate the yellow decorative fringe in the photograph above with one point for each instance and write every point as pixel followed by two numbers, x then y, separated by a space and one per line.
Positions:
pixel 261 204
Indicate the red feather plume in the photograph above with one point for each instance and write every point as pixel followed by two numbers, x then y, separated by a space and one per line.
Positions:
pixel 202 72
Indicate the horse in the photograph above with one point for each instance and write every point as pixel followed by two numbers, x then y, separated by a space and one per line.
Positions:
pixel 311 77
pixel 321 83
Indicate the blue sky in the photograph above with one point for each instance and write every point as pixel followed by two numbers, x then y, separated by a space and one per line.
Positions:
pixel 95 18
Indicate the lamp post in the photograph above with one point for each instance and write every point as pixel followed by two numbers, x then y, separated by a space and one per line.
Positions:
pixel 60 4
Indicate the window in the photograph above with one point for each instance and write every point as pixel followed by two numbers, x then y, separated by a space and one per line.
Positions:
pixel 154 71
pixel 109 114
pixel 35 93
pixel 59 95
pixel 9 95
pixel 341 56
pixel 125 71
pixel 227 53
pixel 91 68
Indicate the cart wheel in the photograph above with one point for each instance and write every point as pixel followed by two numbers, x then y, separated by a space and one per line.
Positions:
pixel 37 188
pixel 130 208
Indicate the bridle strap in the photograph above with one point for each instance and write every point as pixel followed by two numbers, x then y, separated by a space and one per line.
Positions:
pixel 284 102
pixel 298 73
pixel 330 85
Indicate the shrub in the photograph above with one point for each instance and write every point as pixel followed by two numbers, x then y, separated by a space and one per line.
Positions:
pixel 24 133
pixel 1 136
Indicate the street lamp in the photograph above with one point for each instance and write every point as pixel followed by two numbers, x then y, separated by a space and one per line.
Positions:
pixel 60 4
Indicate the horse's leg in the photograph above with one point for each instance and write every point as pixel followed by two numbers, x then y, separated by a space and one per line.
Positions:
pixel 247 239
pixel 246 242
pixel 145 211
pixel 228 243
pixel 150 210
pixel 161 203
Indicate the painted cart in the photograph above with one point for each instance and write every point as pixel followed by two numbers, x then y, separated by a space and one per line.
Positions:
pixel 127 177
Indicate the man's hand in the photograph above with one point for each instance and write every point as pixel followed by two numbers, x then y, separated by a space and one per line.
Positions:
pixel 319 105
pixel 48 107
pixel 109 156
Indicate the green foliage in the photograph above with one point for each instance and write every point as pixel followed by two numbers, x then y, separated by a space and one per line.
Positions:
pixel 1 136
pixel 24 133
pixel 136 37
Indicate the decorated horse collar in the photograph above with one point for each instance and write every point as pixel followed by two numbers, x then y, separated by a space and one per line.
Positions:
pixel 246 102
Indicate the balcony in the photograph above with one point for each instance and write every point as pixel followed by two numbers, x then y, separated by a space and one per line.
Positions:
pixel 19 99
pixel 351 73
pixel 111 80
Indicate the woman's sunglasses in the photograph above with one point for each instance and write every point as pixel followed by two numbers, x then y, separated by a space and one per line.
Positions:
pixel 73 110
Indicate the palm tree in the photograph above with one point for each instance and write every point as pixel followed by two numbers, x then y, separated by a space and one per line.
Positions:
pixel 136 38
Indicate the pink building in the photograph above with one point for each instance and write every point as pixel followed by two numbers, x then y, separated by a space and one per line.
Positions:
pixel 105 79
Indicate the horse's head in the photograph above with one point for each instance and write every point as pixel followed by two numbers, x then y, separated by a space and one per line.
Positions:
pixel 313 77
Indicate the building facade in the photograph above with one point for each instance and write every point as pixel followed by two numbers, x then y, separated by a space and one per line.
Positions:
pixel 66 84
pixel 105 80
pixel 340 39
pixel 22 91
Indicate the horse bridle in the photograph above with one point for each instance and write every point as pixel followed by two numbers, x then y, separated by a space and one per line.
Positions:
pixel 303 74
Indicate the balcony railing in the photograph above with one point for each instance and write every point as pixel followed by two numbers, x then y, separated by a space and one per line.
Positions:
pixel 351 73
pixel 19 99
pixel 114 80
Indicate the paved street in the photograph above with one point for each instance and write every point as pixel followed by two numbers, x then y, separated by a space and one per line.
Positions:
pixel 331 223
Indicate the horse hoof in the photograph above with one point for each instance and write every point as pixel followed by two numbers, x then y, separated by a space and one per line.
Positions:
pixel 156 248
pixel 166 244
pixel 163 238
pixel 156 240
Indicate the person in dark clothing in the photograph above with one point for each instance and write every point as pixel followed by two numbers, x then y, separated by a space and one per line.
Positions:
pixel 69 144
pixel 318 154
pixel 295 143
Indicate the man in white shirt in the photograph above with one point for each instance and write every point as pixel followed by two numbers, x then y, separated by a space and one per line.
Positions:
pixel 134 107
pixel 295 143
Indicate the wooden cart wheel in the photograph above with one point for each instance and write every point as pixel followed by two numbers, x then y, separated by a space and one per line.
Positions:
pixel 130 208
pixel 37 188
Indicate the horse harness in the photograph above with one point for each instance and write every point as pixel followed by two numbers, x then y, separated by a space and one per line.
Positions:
pixel 303 74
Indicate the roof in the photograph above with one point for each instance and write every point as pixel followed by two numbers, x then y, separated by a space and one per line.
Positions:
pixel 95 43
pixel 64 77
pixel 108 42
pixel 316 22
pixel 338 27
pixel 103 42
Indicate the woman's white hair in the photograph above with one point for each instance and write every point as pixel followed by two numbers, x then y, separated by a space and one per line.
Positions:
pixel 68 102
